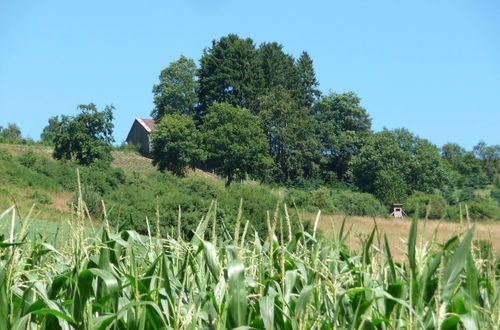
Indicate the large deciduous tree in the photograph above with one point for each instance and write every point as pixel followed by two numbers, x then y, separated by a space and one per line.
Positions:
pixel 176 144
pixel 86 137
pixel 290 132
pixel 177 89
pixel 342 126
pixel 490 158
pixel 391 164
pixel 234 142
pixel 50 131
pixel 11 134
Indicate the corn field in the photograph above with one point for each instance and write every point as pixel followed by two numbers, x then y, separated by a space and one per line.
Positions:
pixel 302 280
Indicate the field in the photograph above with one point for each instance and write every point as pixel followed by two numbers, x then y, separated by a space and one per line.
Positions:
pixel 397 230
pixel 126 281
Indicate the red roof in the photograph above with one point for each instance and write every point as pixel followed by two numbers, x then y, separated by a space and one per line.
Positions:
pixel 149 123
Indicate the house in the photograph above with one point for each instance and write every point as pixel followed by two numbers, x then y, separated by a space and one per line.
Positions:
pixel 139 134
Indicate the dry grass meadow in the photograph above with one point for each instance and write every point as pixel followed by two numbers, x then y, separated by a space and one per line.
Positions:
pixel 429 232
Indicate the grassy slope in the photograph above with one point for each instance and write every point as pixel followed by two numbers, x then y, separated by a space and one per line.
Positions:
pixel 396 230
pixel 58 209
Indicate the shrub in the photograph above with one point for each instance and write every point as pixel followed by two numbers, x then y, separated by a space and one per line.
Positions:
pixel 41 197
pixel 336 201
pixel 322 199
pixel 92 201
pixel 483 209
pixel 495 194
pixel 479 209
pixel 300 198
pixel 432 206
pixel 355 203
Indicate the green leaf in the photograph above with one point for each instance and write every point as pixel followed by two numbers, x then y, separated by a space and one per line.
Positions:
pixel 303 301
pixel 237 304
pixel 211 258
pixel 452 270
pixel 57 314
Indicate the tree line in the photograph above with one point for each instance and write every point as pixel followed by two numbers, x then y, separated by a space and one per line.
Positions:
pixel 255 112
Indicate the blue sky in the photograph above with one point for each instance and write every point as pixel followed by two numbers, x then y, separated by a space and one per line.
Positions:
pixel 430 66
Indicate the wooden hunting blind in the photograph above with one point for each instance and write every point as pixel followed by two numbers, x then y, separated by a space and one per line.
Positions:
pixel 397 211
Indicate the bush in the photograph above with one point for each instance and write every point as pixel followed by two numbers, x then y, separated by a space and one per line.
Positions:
pixel 355 203
pixel 495 194
pixel 483 209
pixel 41 197
pixel 432 206
pixel 322 199
pixel 336 201
pixel 300 198
pixel 479 209
pixel 92 201
pixel 132 203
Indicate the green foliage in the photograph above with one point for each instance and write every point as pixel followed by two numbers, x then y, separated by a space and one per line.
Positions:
pixel 124 146
pixel 234 71
pixel 50 131
pixel 490 158
pixel 477 168
pixel 483 209
pixel 40 197
pixel 86 137
pixel 336 201
pixel 38 171
pixel 478 208
pixel 495 194
pixel 290 131
pixel 307 83
pixel 229 73
pixel 393 163
pixel 121 280
pixel 277 69
pixel 11 134
pixel 176 92
pixel 431 206
pixel 176 144
pixel 92 201
pixel 131 203
pixel 234 143
pixel 342 125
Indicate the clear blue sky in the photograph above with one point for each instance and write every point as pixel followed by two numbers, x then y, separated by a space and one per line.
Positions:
pixel 430 66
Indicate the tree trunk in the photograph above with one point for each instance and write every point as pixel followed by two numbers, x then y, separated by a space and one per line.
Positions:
pixel 230 178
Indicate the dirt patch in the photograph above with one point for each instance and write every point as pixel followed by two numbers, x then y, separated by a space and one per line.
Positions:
pixel 132 162
pixel 61 201
pixel 397 231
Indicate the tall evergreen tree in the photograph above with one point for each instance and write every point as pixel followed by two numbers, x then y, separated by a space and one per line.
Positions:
pixel 228 73
pixel 307 89
pixel 277 67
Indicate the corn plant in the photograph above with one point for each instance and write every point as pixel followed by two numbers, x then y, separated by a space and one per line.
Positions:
pixel 118 279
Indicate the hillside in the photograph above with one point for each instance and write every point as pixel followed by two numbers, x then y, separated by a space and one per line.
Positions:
pixel 140 190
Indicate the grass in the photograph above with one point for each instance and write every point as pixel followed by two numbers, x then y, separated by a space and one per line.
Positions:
pixel 308 281
pixel 431 232
pixel 129 160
